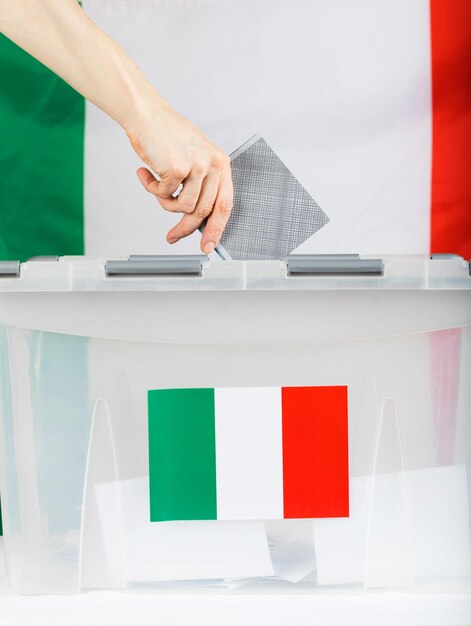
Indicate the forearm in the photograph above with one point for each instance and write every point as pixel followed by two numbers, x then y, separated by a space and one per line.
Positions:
pixel 60 34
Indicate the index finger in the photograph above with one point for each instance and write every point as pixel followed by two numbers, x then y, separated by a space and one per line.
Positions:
pixel 217 221
pixel 164 185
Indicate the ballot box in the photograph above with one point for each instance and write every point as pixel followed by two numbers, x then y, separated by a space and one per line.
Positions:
pixel 298 426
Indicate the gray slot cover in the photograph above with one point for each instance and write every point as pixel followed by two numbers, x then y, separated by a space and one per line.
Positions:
pixel 349 264
pixel 9 268
pixel 47 258
pixel 157 265
pixel 444 256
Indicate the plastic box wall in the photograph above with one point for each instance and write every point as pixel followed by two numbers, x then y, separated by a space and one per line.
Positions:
pixel 80 351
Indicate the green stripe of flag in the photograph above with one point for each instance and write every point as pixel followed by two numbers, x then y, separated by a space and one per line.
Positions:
pixel 42 121
pixel 182 473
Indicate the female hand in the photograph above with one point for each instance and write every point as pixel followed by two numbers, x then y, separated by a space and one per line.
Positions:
pixel 178 153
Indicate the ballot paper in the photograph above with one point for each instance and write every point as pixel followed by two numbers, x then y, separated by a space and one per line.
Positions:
pixel 404 528
pixel 292 548
pixel 171 551
pixel 273 214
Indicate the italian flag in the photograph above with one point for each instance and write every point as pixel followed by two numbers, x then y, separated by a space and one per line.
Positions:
pixel 248 453
pixel 368 103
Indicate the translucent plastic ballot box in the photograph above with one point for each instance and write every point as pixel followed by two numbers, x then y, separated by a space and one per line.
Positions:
pixel 182 422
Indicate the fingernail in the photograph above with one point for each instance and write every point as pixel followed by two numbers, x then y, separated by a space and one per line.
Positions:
pixel 209 247
pixel 173 239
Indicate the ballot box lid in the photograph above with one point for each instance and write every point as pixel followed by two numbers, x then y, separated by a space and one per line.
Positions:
pixel 201 273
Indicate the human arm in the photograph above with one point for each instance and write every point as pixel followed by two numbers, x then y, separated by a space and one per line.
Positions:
pixel 60 34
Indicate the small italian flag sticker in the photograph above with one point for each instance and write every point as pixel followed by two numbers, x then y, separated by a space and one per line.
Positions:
pixel 248 453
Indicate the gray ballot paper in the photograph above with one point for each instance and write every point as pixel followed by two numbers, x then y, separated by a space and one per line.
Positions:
pixel 273 214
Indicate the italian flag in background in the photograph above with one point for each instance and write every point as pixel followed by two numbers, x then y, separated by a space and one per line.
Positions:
pixel 375 120
pixel 248 453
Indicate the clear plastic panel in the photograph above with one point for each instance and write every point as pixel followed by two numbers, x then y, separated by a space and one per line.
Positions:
pixel 80 487
pixel 45 436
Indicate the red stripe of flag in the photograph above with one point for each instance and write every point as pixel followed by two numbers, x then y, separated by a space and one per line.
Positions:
pixel 315 451
pixel 450 23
